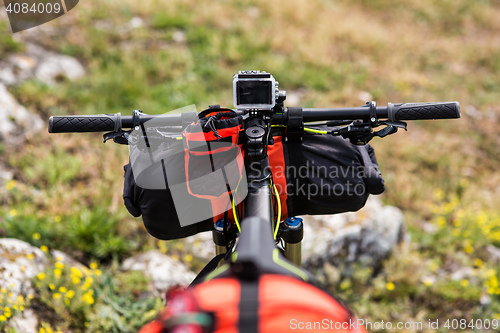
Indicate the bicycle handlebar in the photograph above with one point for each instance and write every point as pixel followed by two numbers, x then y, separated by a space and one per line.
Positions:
pixel 392 112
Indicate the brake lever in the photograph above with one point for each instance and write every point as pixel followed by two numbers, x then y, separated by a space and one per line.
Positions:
pixel 120 137
pixel 359 133
pixel 390 128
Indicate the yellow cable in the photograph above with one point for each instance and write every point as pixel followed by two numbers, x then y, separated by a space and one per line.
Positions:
pixel 306 129
pixel 234 208
pixel 311 130
pixel 235 216
pixel 279 211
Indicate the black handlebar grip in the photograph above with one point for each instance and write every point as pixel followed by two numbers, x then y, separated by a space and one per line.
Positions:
pixel 416 111
pixel 92 123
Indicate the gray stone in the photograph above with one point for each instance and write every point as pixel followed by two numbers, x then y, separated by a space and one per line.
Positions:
pixel 55 66
pixel 200 245
pixel 25 322
pixel 294 97
pixel 367 236
pixel 179 36
pixel 66 259
pixel 16 123
pixel 164 271
pixel 462 273
pixel 365 96
pixel 47 66
pixel 136 22
pixel 19 263
pixel 493 252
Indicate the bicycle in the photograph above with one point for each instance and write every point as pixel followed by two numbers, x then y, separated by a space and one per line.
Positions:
pixel 250 245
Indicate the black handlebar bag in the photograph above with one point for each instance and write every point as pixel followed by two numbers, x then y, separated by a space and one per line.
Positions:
pixel 154 201
pixel 323 174
pixel 181 183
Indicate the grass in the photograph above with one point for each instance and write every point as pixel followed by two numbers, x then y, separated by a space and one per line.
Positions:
pixel 187 51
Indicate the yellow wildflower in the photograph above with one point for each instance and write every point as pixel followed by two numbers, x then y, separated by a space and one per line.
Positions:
pixel 76 271
pixel 390 286
pixel 57 218
pixel 70 294
pixel 11 185
pixel 36 235
pixel 57 272
pixel 44 248
pixel 3 318
pixel 428 282
pixel 87 297
pixel 42 330
pixel 188 257
pixel 441 221
pixel 51 286
pixel 63 289
pixel 464 283
pixel 30 256
pixel 75 280
pixel 13 212
pixel 56 296
pixel 59 265
pixel 438 194
pixel 41 276
pixel 93 265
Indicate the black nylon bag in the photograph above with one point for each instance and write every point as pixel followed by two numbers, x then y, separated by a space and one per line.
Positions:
pixel 334 176
pixel 157 205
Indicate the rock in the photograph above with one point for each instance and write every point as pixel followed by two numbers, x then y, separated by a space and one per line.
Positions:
pixel 7 75
pixel 201 245
pixel 136 22
pixel 54 67
pixel 164 271
pixel 47 66
pixel 473 113
pixel 462 273
pixel 365 96
pixel 25 322
pixel 19 263
pixel 16 123
pixel 66 259
pixel 294 97
pixel 179 36
pixel 493 252
pixel 367 236
pixel 6 174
